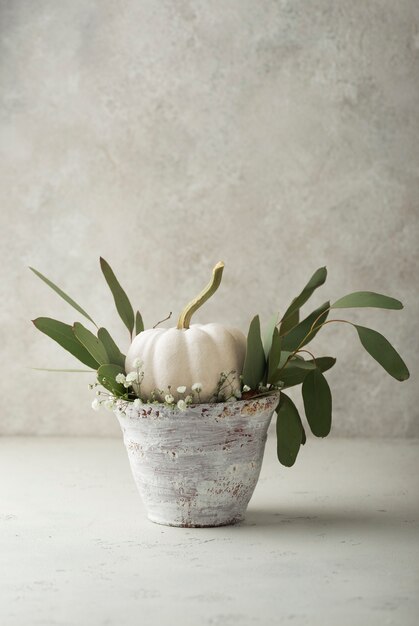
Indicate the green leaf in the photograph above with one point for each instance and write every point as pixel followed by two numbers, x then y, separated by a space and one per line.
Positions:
pixel 289 431
pixel 139 324
pixel 294 367
pixel 366 299
pixel 112 350
pixel 297 369
pixel 91 343
pixel 288 323
pixel 122 303
pixel 254 363
pixel 63 295
pixel 274 354
pixel 284 357
pixel 267 342
pixel 317 403
pixel 383 352
pixel 106 375
pixel 292 376
pixel 318 279
pixel 64 336
pixel 299 336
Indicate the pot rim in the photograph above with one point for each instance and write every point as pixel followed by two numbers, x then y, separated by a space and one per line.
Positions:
pixel 260 399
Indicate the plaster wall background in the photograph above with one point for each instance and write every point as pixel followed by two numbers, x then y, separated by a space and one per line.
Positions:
pixel 275 135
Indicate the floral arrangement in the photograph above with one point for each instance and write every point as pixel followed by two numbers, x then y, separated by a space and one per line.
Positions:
pixel 226 366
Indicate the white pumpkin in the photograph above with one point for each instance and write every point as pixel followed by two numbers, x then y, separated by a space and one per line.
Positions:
pixel 182 357
pixel 185 355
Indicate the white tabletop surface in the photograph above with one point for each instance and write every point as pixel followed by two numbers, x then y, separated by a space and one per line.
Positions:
pixel 333 540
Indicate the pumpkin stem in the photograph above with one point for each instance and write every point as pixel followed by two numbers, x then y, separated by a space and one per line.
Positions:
pixel 206 293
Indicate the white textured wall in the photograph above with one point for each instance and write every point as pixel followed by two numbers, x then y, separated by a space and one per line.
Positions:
pixel 276 135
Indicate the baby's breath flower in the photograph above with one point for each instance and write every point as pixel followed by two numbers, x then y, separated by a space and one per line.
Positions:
pixel 109 404
pixel 181 389
pixel 131 377
pixel 120 378
pixel 169 398
pixel 137 403
pixel 188 399
pixel 96 404
pixel 138 363
pixel 181 405
pixel 246 388
pixel 197 387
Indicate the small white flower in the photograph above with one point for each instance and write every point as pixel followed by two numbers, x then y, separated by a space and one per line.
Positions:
pixel 246 388
pixel 137 403
pixel 96 404
pixel 197 387
pixel 181 405
pixel 131 377
pixel 138 363
pixel 108 404
pixel 188 399
pixel 169 398
pixel 181 389
pixel 120 378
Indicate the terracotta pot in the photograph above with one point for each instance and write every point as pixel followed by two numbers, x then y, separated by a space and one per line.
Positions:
pixel 198 467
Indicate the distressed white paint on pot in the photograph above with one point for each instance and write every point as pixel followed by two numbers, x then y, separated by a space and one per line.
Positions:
pixel 198 467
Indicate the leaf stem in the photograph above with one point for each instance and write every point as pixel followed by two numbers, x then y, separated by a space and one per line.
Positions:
pixel 298 349
pixel 165 319
pixel 310 353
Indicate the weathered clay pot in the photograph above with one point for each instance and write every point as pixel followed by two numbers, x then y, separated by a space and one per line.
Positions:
pixel 198 467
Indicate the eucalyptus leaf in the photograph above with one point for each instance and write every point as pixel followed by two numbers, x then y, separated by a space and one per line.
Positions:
pixel 64 336
pixel 106 376
pixel 317 403
pixel 318 279
pixel 300 335
pixel 91 343
pixel 285 354
pixel 293 376
pixel 139 324
pixel 366 299
pixel 62 294
pixel 122 302
pixel 254 363
pixel 267 342
pixel 112 350
pixel 289 431
pixel 294 367
pixel 383 352
pixel 288 323
pixel 274 354
pixel 297 369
